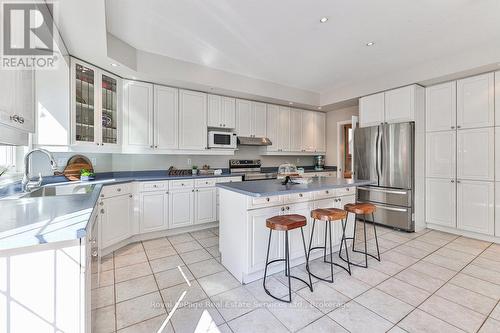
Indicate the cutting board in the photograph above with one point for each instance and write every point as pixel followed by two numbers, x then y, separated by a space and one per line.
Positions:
pixel 74 166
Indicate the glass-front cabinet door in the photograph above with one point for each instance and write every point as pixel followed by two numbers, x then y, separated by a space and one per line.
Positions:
pixel 95 103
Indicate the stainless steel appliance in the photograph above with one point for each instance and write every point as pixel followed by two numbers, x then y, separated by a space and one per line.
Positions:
pixel 253 141
pixel 224 140
pixel 385 154
pixel 250 170
pixel 319 162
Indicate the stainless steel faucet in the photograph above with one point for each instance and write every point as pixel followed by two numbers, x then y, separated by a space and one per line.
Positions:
pixel 30 185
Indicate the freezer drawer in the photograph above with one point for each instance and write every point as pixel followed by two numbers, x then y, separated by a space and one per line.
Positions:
pixel 393 216
pixel 386 196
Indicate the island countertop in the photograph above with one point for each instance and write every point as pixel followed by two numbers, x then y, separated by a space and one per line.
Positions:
pixel 266 188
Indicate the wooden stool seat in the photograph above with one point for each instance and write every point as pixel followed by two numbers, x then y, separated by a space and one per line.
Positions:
pixel 286 222
pixel 360 208
pixel 328 214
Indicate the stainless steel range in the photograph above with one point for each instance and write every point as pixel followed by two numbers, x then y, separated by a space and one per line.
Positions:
pixel 250 170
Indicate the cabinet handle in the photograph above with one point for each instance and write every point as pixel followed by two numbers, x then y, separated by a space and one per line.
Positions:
pixel 130 195
pixel 300 195
pixel 282 209
pixel 166 192
pixel 453 180
pixel 452 127
pixel 102 211
pixel 287 208
pixel 156 146
pixel 327 192
pixel 192 190
pixel 151 146
pixel 21 120
pixel 101 203
pixel 458 181
pixel 459 126
pixel 94 254
pixel 97 143
pixel 102 195
pixel 118 189
pixel 267 199
pixel 14 118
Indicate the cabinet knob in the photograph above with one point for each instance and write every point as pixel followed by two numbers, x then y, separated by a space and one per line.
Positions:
pixel 97 143
pixel 452 127
pixel 459 126
pixel 282 209
pixel 118 189
pixel 327 192
pixel 130 195
pixel 151 146
pixel 156 146
pixel 102 195
pixel 453 180
pixel 192 190
pixel 102 211
pixel 287 208
pixel 267 199
pixel 101 203
pixel 21 120
pixel 301 195
pixel 14 118
pixel 458 181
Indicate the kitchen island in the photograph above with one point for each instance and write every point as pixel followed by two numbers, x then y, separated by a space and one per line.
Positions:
pixel 245 206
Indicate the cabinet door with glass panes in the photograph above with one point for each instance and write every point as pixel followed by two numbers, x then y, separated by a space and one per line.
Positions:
pixel 96 108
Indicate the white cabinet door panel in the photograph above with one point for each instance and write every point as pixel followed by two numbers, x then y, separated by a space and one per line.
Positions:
pixel 441 154
pixel 166 117
pixel 258 238
pixel 400 105
pixel 181 208
pixel 284 129
pixel 115 223
pixel 214 111
pixel 475 206
pixel 308 128
pixel 153 211
pixel 228 112
pixel 475 101
pixel 295 130
pixel 244 118
pixel 441 107
pixel 440 202
pixel 320 132
pixel 296 245
pixel 476 154
pixel 138 114
pixel 205 205
pixel 192 120
pixel 272 123
pixel 497 209
pixel 497 99
pixel 497 153
pixel 371 110
pixel 259 111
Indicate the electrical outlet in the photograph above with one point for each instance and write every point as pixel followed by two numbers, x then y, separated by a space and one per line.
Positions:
pixel 189 161
pixel 94 161
pixel 61 162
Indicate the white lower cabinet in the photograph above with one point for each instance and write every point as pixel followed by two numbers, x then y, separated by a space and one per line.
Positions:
pixel 205 204
pixel 181 205
pixel 497 209
pixel 116 219
pixel 475 206
pixel 294 237
pixel 258 238
pixel 153 211
pixel 440 202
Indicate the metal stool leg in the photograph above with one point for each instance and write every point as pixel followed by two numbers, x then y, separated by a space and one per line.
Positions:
pixel 287 264
pixel 307 258
pixel 344 241
pixel 366 246
pixel 365 252
pixel 329 223
pixel 354 232
pixel 267 261
pixel 376 239
pixel 326 234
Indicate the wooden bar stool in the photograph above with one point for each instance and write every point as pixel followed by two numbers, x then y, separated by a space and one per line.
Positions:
pixel 362 209
pixel 285 223
pixel 329 215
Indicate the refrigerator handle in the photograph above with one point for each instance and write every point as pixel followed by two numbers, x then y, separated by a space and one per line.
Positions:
pixel 378 152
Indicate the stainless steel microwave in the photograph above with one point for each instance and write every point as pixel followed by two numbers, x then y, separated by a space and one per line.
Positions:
pixel 224 140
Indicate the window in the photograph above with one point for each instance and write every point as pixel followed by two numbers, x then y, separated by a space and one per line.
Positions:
pixel 347 151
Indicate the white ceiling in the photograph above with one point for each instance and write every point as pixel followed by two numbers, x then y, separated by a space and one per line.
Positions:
pixel 282 41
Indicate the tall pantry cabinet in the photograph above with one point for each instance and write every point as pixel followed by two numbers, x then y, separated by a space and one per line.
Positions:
pixel 460 150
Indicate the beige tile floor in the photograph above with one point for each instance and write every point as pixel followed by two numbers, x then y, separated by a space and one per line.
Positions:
pixel 426 282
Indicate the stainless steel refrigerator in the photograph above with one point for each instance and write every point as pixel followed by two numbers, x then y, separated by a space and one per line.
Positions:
pixel 385 154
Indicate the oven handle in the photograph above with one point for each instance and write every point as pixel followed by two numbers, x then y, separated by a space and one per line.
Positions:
pixel 382 190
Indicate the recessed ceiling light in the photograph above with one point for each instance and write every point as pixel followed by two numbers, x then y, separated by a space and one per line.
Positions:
pixel 114 65
pixel 323 19
pixel 291 103
pixel 370 43
pixel 319 107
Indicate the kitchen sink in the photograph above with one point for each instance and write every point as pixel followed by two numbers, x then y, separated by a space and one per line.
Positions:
pixel 50 191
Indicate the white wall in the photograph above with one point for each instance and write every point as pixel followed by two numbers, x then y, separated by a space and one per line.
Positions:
pixel 332 118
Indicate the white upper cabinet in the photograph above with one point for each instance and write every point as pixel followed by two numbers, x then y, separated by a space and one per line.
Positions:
pixel 259 111
pixel 441 154
pixel 244 118
pixel 371 110
pixel 476 206
pixel 476 154
pixel 441 107
pixel 319 132
pixel 192 120
pixel 284 129
pixel 295 130
pixel 400 104
pixel 251 118
pixel 166 117
pixel 272 123
pixel 497 101
pixel 137 114
pixel 440 202
pixel 475 101
pixel 221 111
pixel 17 99
pixel 308 128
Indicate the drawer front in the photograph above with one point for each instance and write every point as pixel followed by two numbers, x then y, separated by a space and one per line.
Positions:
pixel 325 194
pixel 207 182
pixel 298 197
pixel 385 195
pixel 260 202
pixel 228 179
pixel 153 186
pixel 345 191
pixel 114 190
pixel 181 183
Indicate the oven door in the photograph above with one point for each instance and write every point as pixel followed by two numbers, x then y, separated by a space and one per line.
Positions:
pixel 225 140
